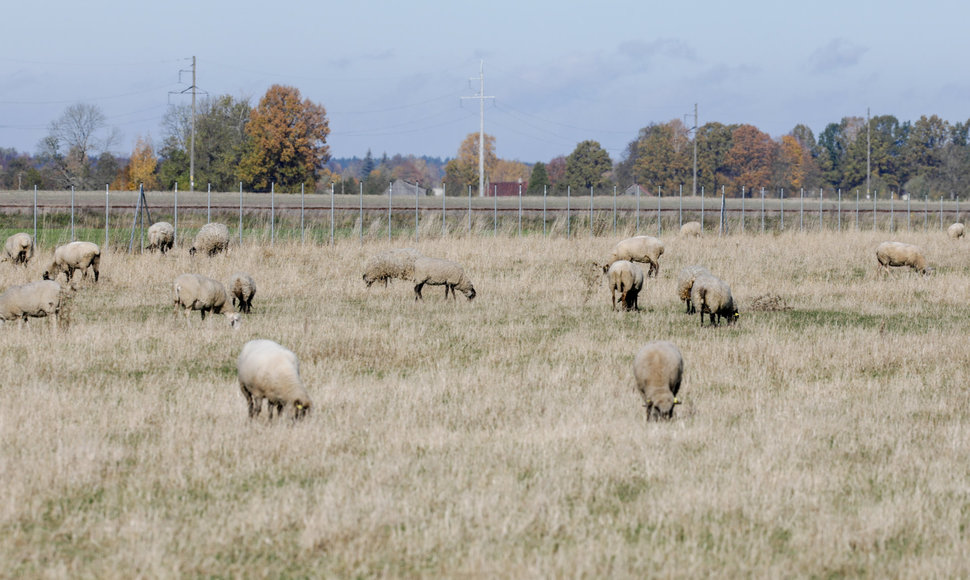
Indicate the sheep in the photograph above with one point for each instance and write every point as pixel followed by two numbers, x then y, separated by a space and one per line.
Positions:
pixel 394 263
pixel 645 249
pixel 243 288
pixel 196 292
pixel 685 281
pixel 626 279
pixel 267 370
pixel 956 231
pixel 211 239
pixel 436 272
pixel 161 236
pixel 658 369
pixel 900 254
pixel 74 256
pixel 691 229
pixel 714 297
pixel 19 249
pixel 37 299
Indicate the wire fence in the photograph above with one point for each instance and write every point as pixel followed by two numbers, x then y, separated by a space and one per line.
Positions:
pixel 120 219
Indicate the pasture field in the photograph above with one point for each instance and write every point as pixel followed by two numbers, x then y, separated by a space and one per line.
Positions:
pixel 827 434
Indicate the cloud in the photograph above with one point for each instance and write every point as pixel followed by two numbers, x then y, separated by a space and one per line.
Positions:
pixel 671 48
pixel 839 53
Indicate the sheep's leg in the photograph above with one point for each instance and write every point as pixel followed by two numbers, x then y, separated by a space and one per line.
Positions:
pixel 613 296
pixel 203 311
pixel 417 291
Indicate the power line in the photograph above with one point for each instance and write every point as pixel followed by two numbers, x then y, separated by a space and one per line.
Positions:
pixel 481 131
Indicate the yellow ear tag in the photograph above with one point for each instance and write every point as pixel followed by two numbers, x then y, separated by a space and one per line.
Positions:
pixel 676 401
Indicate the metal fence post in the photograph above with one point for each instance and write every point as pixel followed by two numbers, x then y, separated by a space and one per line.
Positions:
pixel 208 205
pixel 469 210
pixel 240 213
pixel 659 196
pixel 544 194
pixel 568 193
pixel 389 216
pixel 742 209
pixel 72 214
pixel 638 208
pixel 106 207
pixel 494 210
pixel 444 215
pixel 762 210
pixel 35 216
pixel 702 208
pixel 272 213
pixel 303 212
pixel 782 210
pixel 332 213
pixel 614 210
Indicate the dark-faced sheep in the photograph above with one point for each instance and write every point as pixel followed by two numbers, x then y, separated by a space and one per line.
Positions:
pixel 161 237
pixel 436 272
pixel 626 281
pixel 685 283
pixel 390 264
pixel 74 256
pixel 212 239
pixel 658 369
pixel 37 299
pixel 197 292
pixel 242 287
pixel 713 296
pixel 269 371
pixel 644 249
pixel 18 249
pixel 899 254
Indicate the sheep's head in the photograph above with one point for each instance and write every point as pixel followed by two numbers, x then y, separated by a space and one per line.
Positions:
pixel 368 279
pixel 733 317
pixel 192 251
pixel 469 292
pixel 662 407
pixel 235 321
pixel 301 409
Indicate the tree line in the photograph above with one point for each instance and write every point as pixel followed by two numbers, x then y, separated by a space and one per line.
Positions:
pixel 281 143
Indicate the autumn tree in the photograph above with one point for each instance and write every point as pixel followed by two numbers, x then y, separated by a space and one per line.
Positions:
pixel 714 140
pixel 141 168
pixel 287 142
pixel 556 170
pixel 749 160
pixel 538 180
pixel 462 171
pixel 663 157
pixel 510 171
pixel 589 165
pixel 74 142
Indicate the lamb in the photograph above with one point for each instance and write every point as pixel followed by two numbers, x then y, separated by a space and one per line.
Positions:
pixel 196 292
pixel 19 249
pixel 685 281
pixel 658 369
pixel 956 230
pixel 900 254
pixel 161 236
pixel 394 263
pixel 436 272
pixel 625 278
pixel 714 297
pixel 691 229
pixel 645 249
pixel 74 256
pixel 243 288
pixel 211 239
pixel 36 299
pixel 269 371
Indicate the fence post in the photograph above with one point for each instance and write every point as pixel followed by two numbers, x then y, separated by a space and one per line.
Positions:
pixel 444 215
pixel 240 213
pixel 801 211
pixel 332 212
pixel 874 196
pixel 469 210
pixel 272 213
pixel 106 206
pixel 544 193
pixel 680 211
pixel 495 210
pixel 176 212
pixel 567 210
pixel 416 188
pixel 909 222
pixel 840 209
pixel 303 212
pixel 820 226
pixel 360 197
pixel 762 210
pixel 638 208
pixel 590 210
pixel 208 205
pixel 614 210
pixel 702 208
pixel 892 211
pixel 35 216
pixel 659 196
pixel 520 209
pixel 720 230
pixel 742 209
pixel 926 211
pixel 389 209
pixel 72 213
pixel 857 210
pixel 782 211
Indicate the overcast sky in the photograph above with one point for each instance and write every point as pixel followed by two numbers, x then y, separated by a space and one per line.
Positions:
pixel 391 74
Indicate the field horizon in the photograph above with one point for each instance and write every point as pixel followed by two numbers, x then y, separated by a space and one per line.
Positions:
pixel 823 435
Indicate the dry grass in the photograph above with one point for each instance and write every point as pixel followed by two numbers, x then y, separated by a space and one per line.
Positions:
pixel 501 437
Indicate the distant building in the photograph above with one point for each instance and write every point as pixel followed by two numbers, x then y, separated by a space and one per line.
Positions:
pixel 403 188
pixel 632 190
pixel 506 188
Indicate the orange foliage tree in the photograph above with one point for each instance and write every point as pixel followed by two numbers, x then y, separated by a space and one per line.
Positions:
pixel 750 158
pixel 141 169
pixel 287 142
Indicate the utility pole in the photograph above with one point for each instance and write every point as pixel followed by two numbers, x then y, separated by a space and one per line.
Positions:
pixel 694 190
pixel 481 130
pixel 868 151
pixel 193 89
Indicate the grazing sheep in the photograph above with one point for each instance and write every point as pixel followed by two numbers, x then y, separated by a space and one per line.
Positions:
pixel 685 281
pixel 243 288
pixel 645 249
pixel 395 263
pixel 269 371
pixel 435 272
pixel 74 256
pixel 36 299
pixel 900 254
pixel 196 292
pixel 161 236
pixel 658 369
pixel 691 229
pixel 626 279
pixel 211 239
pixel 956 231
pixel 19 249
pixel 714 297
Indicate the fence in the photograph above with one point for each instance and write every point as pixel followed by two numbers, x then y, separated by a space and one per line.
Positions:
pixel 119 218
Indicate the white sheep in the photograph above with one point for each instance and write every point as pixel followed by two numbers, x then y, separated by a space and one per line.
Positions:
pixel 691 229
pixel 74 256
pixel 242 287
pixel 956 230
pixel 211 239
pixel 269 371
pixel 161 236
pixel 713 295
pixel 685 282
pixel 626 279
pixel 19 249
pixel 900 254
pixel 196 292
pixel 36 299
pixel 390 264
pixel 645 249
pixel 658 369
pixel 436 272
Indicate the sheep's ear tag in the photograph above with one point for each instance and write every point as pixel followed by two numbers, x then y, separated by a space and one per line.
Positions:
pixel 299 405
pixel 676 401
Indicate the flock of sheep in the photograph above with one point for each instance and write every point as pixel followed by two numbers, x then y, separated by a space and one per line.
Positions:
pixel 268 371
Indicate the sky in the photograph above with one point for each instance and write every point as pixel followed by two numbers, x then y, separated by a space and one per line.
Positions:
pixel 402 77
